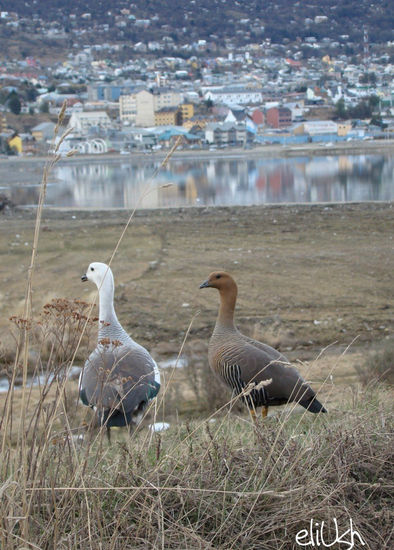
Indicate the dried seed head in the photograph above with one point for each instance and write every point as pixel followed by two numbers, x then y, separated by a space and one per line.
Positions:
pixel 263 383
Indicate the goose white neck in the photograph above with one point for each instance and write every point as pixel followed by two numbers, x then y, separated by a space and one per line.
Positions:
pixel 108 322
pixel 106 298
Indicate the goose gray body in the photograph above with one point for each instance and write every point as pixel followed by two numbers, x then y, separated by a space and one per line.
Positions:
pixel 241 360
pixel 120 377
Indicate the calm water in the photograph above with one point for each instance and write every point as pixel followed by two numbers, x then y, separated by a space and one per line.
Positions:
pixel 123 182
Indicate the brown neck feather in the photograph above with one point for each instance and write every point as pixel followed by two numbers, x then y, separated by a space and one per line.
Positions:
pixel 228 298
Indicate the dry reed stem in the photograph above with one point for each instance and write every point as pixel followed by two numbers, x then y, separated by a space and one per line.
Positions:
pixel 27 315
pixel 126 226
pixel 151 487
pixel 285 416
pixel 161 482
pixel 24 335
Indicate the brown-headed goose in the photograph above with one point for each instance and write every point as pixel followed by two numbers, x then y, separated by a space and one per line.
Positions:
pixel 119 377
pixel 245 363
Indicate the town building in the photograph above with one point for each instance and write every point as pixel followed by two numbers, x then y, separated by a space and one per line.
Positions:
pixel 43 131
pixel 145 108
pixel 278 117
pixel 234 95
pixel 82 122
pixel 101 91
pixel 174 115
pixel 128 108
pixel 257 116
pixel 168 116
pixel 3 124
pixel 316 127
pixel 187 111
pixel 227 133
pixel 197 122
pixel 343 128
pixel 140 107
pixel 15 143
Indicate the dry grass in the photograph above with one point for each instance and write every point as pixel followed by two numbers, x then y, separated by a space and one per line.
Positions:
pixel 217 483
pixel 378 366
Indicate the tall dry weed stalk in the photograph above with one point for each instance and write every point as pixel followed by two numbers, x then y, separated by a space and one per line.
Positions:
pixel 217 483
pixel 45 350
pixel 22 348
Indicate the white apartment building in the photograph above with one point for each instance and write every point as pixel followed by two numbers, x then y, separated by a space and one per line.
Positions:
pixel 81 122
pixel 128 107
pixel 318 127
pixel 145 114
pixel 236 95
pixel 140 107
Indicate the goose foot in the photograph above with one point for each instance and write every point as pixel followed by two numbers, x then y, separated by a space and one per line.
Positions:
pixel 253 415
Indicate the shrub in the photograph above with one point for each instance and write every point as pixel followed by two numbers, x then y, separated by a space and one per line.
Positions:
pixel 378 366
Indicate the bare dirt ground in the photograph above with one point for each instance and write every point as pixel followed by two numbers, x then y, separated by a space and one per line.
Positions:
pixel 309 276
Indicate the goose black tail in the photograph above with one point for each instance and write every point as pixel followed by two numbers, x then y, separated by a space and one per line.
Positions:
pixel 313 405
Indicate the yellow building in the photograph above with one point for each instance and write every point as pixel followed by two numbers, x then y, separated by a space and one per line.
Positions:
pixel 15 142
pixel 147 104
pixel 344 128
pixel 187 110
pixel 199 122
pixel 166 117
pixel 3 123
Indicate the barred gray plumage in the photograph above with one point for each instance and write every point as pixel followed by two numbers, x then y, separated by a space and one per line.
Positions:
pixel 241 360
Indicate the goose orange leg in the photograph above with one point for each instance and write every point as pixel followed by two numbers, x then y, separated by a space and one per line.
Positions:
pixel 253 415
pixel 264 411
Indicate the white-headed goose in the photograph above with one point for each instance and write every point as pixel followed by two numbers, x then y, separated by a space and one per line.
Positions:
pixel 120 377
pixel 240 360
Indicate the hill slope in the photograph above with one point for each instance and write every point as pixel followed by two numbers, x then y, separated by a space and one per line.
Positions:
pixel 185 20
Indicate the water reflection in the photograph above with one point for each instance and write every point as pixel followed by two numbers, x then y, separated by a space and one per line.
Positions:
pixel 118 184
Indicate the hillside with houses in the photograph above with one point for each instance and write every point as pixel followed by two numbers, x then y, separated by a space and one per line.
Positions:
pixel 136 77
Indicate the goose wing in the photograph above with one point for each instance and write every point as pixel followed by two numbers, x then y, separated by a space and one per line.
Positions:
pixel 246 361
pixel 119 378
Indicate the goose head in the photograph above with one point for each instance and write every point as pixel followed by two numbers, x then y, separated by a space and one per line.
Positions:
pixel 220 280
pixel 96 273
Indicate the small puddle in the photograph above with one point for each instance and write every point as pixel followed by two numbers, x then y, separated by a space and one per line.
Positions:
pixel 74 372
pixel 33 381
pixel 174 362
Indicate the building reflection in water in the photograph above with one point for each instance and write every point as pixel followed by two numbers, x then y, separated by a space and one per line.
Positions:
pixel 126 184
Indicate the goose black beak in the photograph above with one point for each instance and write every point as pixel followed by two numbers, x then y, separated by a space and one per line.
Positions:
pixel 84 278
pixel 205 284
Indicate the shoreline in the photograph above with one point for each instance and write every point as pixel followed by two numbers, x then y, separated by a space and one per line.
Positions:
pixel 198 209
pixel 268 151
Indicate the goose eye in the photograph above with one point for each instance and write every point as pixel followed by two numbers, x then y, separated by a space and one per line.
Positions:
pixel 92 269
